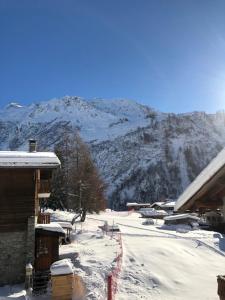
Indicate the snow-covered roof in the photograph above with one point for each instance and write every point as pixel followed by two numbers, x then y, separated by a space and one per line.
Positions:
pixel 23 159
pixel 157 203
pixel 169 204
pixel 66 225
pixel 62 267
pixel 216 165
pixel 137 204
pixel 166 204
pixel 143 209
pixel 55 227
pixel 151 213
pixel 181 216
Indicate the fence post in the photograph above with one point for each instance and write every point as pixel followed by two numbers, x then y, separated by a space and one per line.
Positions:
pixel 110 287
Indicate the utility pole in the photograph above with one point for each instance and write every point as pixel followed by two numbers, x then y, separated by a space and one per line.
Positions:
pixel 80 194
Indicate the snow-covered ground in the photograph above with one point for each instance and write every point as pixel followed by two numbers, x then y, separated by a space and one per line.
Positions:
pixel 158 262
pixel 92 253
pixel 12 292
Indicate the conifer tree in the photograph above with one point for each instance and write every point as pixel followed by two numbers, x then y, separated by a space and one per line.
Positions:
pixel 77 185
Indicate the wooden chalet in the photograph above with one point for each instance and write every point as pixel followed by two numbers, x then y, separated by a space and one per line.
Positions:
pixel 168 206
pixel 207 191
pixel 137 206
pixel 24 179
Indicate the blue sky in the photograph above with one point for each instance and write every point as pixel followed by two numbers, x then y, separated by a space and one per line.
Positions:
pixel 169 54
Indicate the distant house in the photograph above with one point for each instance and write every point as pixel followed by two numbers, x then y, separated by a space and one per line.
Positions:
pixel 168 206
pixel 186 219
pixel 213 218
pixel 24 179
pixel 157 205
pixel 152 213
pixel 137 206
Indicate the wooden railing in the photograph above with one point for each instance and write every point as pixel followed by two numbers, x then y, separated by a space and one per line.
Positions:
pixel 43 218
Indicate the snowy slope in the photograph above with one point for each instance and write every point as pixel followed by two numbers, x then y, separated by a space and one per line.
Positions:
pixel 142 154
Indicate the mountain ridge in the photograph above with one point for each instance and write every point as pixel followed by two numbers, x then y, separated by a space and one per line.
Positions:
pixel 142 154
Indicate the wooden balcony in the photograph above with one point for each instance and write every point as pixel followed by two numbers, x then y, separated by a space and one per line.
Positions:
pixel 44 189
pixel 43 218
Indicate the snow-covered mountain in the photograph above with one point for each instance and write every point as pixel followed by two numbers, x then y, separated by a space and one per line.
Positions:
pixel 142 154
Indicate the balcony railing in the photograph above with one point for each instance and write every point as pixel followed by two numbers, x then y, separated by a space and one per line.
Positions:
pixel 43 218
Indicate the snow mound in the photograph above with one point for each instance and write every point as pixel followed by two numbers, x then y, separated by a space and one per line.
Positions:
pixel 62 267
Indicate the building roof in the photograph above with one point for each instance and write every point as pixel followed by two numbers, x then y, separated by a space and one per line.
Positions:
pixel 55 227
pixel 203 182
pixel 165 204
pixel 64 225
pixel 23 159
pixel 181 216
pixel 157 203
pixel 169 204
pixel 153 213
pixel 137 204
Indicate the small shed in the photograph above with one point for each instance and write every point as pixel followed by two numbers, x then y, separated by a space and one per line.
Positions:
pixel 186 219
pixel 47 245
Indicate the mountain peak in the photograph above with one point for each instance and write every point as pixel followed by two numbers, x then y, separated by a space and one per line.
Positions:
pixel 13 105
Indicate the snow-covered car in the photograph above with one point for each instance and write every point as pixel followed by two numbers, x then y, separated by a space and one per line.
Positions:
pixel 183 228
pixel 148 222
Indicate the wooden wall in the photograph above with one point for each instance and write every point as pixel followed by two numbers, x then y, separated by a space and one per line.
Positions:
pixel 46 249
pixel 17 198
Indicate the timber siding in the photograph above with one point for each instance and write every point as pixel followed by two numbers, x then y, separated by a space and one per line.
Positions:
pixel 17 194
pixel 17 223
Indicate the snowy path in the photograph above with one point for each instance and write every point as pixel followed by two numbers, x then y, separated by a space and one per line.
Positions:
pixel 166 265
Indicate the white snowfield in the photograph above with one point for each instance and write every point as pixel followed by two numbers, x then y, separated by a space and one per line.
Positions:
pixel 159 263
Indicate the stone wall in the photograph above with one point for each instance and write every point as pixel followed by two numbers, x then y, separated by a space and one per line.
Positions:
pixel 30 240
pixel 16 250
pixel 12 257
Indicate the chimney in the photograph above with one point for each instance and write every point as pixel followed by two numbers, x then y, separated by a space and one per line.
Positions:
pixel 32 145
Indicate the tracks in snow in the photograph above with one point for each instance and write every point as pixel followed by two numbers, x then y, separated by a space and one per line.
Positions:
pixel 197 240
pixel 170 236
